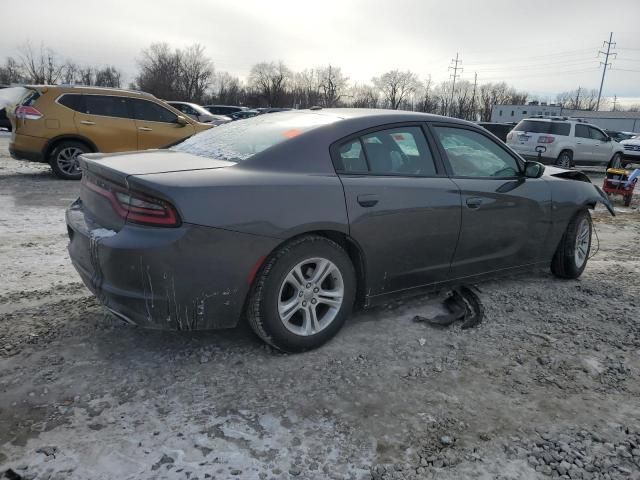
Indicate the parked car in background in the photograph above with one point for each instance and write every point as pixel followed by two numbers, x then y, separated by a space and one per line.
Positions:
pixel 224 109
pixel 5 123
pixel 4 119
pixel 291 219
pixel 244 114
pixel 565 142
pixel 199 113
pixel 631 150
pixel 620 136
pixel 500 130
pixel 55 124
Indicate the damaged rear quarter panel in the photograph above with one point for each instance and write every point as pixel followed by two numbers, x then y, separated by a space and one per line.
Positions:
pixel 185 278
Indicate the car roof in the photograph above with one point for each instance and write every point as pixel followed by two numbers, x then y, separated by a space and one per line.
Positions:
pixel 380 116
pixel 84 89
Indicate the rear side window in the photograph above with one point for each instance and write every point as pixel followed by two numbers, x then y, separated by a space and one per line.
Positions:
pixel 582 131
pixel 106 106
pixel 398 151
pixel 560 128
pixel 152 112
pixel 72 101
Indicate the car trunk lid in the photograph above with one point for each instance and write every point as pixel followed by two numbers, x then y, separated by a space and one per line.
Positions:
pixel 105 179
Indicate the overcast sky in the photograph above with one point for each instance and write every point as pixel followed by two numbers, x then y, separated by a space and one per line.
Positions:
pixel 543 47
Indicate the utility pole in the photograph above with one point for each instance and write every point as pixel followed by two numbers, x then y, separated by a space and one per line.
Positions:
pixel 615 99
pixel 455 75
pixel 605 64
pixel 577 106
pixel 473 98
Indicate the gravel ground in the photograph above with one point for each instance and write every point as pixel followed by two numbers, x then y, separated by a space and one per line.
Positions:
pixel 547 387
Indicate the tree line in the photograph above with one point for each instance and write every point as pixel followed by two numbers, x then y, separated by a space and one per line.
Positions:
pixel 187 74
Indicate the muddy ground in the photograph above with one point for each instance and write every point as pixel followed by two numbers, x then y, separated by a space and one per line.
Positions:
pixel 547 387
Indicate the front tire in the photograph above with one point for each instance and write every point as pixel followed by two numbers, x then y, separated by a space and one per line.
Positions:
pixel 565 159
pixel 303 294
pixel 572 254
pixel 64 159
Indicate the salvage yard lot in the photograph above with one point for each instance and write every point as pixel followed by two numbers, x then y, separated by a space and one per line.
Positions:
pixel 547 385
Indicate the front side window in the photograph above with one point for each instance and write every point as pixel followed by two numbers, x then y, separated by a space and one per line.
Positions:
pixel 471 154
pixel 582 131
pixel 398 151
pixel 151 112
pixel 597 134
pixel 106 106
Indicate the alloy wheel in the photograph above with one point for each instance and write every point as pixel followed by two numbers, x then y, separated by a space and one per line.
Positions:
pixel 564 161
pixel 583 237
pixel 67 160
pixel 310 296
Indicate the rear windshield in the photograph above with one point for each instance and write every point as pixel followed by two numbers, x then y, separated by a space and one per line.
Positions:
pixel 240 140
pixel 10 97
pixel 553 128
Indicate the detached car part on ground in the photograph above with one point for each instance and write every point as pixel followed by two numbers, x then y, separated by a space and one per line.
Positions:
pixel 291 219
pixel 55 124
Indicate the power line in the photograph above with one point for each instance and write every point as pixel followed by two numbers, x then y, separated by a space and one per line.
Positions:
pixel 455 75
pixel 605 64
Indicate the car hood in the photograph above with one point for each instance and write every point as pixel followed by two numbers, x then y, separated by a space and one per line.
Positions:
pixel 550 171
pixel 119 166
pixel 630 141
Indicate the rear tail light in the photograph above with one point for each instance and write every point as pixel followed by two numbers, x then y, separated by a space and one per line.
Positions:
pixel 132 206
pixel 545 139
pixel 27 112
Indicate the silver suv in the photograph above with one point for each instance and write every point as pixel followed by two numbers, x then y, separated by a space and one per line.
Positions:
pixel 564 142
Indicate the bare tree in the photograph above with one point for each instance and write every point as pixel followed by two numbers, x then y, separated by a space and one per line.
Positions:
pixel 41 66
pixel 270 79
pixel 227 89
pixel 395 86
pixel 579 99
pixel 332 85
pixel 196 73
pixel 11 72
pixel 108 77
pixel 159 71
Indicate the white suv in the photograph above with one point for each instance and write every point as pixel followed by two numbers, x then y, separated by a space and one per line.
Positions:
pixel 566 141
pixel 631 150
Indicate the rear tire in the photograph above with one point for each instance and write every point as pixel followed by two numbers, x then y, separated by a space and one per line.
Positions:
pixel 615 162
pixel 572 254
pixel 64 159
pixel 565 159
pixel 275 310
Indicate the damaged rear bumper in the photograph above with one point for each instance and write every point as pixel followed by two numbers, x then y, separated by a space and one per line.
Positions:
pixel 185 278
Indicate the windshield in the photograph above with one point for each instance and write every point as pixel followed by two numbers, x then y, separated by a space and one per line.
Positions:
pixel 238 141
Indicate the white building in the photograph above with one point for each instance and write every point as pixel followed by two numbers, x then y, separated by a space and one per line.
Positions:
pixel 616 121
pixel 515 113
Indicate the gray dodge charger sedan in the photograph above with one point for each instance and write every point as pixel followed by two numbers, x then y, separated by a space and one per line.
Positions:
pixel 292 219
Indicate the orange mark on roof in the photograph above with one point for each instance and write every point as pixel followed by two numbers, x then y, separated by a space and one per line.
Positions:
pixel 294 132
pixel 398 136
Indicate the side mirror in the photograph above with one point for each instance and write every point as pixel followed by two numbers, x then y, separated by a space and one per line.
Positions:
pixel 608 139
pixel 182 121
pixel 533 169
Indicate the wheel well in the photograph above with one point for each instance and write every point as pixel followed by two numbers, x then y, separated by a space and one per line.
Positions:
pixel 353 250
pixel 568 150
pixel 54 142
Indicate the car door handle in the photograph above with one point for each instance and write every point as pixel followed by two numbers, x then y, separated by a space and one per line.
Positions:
pixel 368 200
pixel 145 129
pixel 87 122
pixel 474 202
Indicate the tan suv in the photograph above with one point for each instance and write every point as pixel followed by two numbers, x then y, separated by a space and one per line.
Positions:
pixel 54 124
